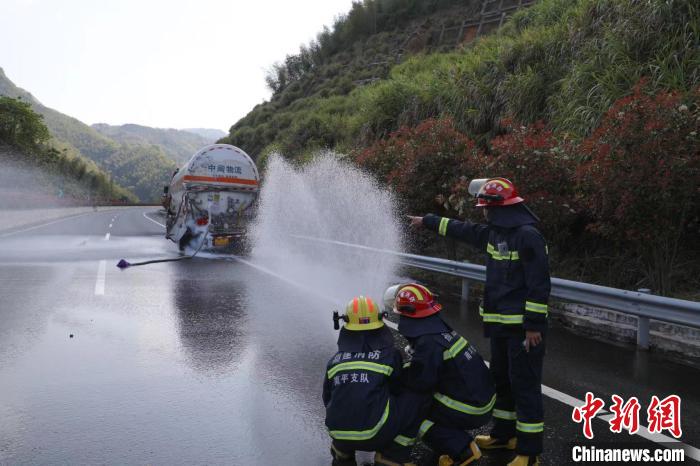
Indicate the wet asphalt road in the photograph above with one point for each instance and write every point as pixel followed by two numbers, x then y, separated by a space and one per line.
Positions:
pixel 210 361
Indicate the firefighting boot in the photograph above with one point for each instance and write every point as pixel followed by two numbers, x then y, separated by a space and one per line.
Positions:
pixel 381 460
pixel 340 458
pixel 486 442
pixel 469 456
pixel 524 460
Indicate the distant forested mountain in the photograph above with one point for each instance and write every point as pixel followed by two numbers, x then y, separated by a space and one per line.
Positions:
pixel 140 167
pixel 178 145
pixel 211 135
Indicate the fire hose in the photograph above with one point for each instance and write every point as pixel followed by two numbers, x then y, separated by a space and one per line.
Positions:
pixel 122 264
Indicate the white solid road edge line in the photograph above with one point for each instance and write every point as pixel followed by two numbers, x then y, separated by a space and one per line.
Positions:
pixel 149 218
pixel 562 397
pixel 100 280
pixel 550 392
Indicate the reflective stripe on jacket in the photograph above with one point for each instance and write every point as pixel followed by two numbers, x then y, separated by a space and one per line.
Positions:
pixel 447 366
pixel 516 293
pixel 356 392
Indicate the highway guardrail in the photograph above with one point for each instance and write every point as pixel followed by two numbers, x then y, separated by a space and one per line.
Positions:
pixel 641 303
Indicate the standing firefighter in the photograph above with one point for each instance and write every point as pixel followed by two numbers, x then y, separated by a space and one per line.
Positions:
pixel 364 409
pixel 446 368
pixel 514 311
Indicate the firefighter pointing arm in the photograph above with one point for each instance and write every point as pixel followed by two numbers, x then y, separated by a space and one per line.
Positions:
pixel 514 310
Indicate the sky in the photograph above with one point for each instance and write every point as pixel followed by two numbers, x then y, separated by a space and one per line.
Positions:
pixel 160 63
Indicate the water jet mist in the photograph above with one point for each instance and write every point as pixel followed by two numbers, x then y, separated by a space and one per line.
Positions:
pixel 332 200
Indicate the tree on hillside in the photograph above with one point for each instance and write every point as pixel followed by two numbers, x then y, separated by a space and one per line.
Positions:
pixel 20 126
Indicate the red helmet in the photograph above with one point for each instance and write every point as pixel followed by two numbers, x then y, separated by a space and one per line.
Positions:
pixel 415 301
pixel 497 192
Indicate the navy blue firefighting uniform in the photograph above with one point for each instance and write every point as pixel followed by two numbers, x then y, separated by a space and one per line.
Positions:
pixel 449 370
pixel 366 409
pixel 515 300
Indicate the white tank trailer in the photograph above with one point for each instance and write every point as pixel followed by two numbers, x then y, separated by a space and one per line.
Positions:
pixel 211 198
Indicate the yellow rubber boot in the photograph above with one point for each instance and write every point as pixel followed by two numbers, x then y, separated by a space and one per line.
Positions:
pixel 446 460
pixel 523 460
pixel 486 442
pixel 379 459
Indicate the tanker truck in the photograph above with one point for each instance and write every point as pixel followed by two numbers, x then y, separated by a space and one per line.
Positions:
pixel 211 198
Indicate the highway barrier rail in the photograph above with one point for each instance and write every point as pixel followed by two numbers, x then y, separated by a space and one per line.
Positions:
pixel 639 303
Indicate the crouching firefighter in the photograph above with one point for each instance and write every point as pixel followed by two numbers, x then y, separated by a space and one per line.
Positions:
pixel 449 370
pixel 364 409
pixel 514 311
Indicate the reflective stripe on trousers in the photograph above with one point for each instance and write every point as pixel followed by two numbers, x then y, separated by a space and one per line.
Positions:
pixel 404 441
pixel 529 427
pixel 361 434
pixel 424 428
pixel 507 415
pixel 463 407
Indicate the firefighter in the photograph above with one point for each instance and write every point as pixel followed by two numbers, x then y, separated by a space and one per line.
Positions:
pixel 449 370
pixel 365 408
pixel 514 311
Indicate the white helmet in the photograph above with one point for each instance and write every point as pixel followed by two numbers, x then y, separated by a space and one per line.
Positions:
pixel 390 297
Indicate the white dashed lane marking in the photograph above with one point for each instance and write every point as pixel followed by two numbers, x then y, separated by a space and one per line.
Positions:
pixel 100 280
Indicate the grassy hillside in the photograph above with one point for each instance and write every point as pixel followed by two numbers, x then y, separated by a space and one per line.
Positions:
pixel 591 106
pixel 146 173
pixel 313 104
pixel 563 61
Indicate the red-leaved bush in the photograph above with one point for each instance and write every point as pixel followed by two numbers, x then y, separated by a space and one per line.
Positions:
pixel 634 183
pixel 423 163
pixel 640 178
pixel 540 167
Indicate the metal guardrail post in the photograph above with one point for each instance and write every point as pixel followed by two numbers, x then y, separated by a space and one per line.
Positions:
pixel 643 326
pixel 465 290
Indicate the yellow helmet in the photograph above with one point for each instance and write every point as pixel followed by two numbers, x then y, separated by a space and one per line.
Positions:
pixel 362 313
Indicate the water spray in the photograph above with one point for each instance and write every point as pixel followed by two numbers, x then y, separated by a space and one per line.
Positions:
pixel 331 200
